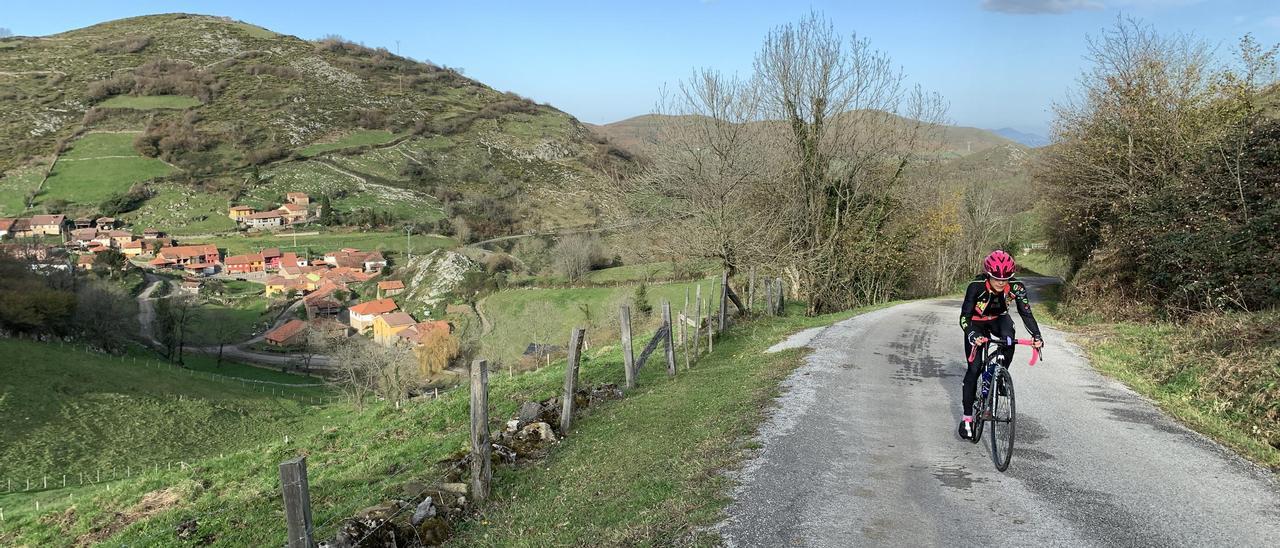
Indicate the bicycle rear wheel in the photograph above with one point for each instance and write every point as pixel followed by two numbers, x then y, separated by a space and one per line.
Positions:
pixel 1003 420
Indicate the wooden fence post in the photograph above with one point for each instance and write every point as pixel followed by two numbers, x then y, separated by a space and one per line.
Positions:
pixel 628 356
pixel 481 468
pixel 697 321
pixel 671 348
pixel 781 298
pixel 751 290
pixel 571 380
pixel 724 300
pixel 297 503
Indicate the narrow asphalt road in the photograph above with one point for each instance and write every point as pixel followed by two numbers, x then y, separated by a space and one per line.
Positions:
pixel 862 450
pixel 147 315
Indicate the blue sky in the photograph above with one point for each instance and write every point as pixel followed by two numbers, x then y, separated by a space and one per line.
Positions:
pixel 997 62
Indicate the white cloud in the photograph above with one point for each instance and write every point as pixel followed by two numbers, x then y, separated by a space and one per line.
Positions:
pixel 1039 7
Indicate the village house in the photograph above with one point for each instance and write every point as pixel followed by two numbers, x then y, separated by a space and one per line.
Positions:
pixel 85 262
pixel 119 237
pixel 271 259
pixel 390 288
pixel 21 228
pixel 243 264
pixel 292 332
pixel 360 317
pixel 105 223
pixel 293 213
pixel 282 285
pixel 414 335
pixel 298 198
pixel 190 286
pixel 82 237
pixel 82 222
pixel 6 225
pixel 237 212
pixel 264 220
pixel 49 225
pixel 132 249
pixel 369 261
pixel 151 233
pixel 322 301
pixel 387 327
pixel 188 255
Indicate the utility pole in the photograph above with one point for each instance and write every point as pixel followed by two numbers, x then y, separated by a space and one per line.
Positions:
pixel 408 245
pixel 399 68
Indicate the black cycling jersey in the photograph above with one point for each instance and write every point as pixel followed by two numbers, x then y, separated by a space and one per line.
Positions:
pixel 983 305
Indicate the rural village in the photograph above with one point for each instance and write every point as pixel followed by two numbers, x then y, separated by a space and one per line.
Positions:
pixel 267 289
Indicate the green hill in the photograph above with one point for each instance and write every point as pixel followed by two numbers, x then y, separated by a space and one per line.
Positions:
pixel 226 107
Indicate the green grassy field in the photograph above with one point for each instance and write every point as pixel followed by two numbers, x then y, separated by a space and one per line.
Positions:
pixel 147 102
pixel 14 187
pixel 331 241
pixel 353 139
pixel 181 210
pixel 98 165
pixel 249 315
pixel 521 316
pixel 68 411
pixel 346 193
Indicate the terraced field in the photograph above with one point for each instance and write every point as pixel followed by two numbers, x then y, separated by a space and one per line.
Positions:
pixel 97 166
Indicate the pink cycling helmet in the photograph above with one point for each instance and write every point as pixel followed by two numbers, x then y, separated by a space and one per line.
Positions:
pixel 999 265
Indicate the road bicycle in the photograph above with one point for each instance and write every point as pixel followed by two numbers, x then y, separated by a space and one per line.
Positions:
pixel 995 403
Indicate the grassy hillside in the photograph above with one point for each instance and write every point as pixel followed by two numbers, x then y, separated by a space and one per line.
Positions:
pixel 213 97
pixel 67 411
pixel 521 316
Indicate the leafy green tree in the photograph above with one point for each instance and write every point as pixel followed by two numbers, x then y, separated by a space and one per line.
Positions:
pixel 640 300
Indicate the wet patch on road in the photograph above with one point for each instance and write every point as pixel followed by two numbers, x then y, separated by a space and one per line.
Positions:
pixel 1029 430
pixel 956 477
pixel 1149 418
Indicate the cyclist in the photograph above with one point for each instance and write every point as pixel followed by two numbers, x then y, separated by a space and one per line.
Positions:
pixel 985 314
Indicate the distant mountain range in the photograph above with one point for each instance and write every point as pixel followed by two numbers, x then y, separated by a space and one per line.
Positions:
pixel 1029 139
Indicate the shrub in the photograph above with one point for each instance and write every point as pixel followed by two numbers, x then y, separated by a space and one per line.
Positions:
pixel 133 44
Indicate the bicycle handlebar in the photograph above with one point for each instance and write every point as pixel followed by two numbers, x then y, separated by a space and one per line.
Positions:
pixel 1035 352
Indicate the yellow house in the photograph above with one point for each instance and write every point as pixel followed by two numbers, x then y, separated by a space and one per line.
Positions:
pixel 236 212
pixel 387 326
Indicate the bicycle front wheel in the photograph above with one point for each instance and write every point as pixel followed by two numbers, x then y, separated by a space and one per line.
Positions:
pixel 1003 420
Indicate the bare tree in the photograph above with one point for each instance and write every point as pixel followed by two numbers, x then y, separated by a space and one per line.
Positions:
pixel 851 128
pixel 104 315
pixel 575 255
pixel 221 331
pixel 367 369
pixel 704 186
pixel 175 319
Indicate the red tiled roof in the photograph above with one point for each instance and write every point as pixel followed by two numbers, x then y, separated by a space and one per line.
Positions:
pixel 396 319
pixel 6 224
pixel 391 284
pixel 185 251
pixel 241 208
pixel 273 214
pixel 294 208
pixel 270 252
pixel 243 259
pixel 47 219
pixel 379 306
pixel 286 331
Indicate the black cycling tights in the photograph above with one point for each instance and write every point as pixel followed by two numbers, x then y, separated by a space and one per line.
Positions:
pixel 1000 327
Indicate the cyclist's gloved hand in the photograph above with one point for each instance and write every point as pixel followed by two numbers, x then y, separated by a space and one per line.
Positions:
pixel 1039 341
pixel 973 337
